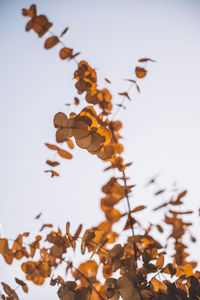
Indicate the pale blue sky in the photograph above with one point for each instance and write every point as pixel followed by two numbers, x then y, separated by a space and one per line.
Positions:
pixel 161 126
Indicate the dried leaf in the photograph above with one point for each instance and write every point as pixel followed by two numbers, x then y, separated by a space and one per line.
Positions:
pixel 64 154
pixel 51 42
pixel 160 262
pixel 64 32
pixel 146 59
pixel 140 72
pixel 125 94
pixel 52 163
pixel 52 147
pixel 45 226
pixel 10 292
pixel 23 285
pixel 138 208
pixel 53 173
pixel 158 286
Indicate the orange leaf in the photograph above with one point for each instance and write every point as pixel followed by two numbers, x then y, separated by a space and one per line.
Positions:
pixel 66 53
pixel 51 41
pixel 160 262
pixel 70 143
pixel 125 94
pixel 10 292
pixel 46 225
pixel 138 208
pixel 158 286
pixel 52 147
pixel 64 154
pixel 52 163
pixel 53 173
pixel 140 72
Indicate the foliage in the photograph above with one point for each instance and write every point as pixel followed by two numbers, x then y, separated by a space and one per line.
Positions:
pixel 139 269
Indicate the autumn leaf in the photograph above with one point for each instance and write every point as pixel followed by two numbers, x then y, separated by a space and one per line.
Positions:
pixel 22 284
pixel 53 173
pixel 125 94
pixel 52 163
pixel 51 42
pixel 138 208
pixel 52 147
pixel 146 59
pixel 160 262
pixel 64 154
pixel 64 32
pixel 140 72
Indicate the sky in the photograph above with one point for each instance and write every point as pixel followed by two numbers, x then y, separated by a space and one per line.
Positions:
pixel 160 126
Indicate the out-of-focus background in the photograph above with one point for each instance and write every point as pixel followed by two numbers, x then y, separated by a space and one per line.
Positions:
pixel 160 126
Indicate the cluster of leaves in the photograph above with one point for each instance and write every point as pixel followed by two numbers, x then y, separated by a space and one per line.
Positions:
pixel 130 269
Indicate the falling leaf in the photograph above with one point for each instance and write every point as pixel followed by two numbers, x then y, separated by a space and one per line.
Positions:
pixel 140 72
pixel 51 42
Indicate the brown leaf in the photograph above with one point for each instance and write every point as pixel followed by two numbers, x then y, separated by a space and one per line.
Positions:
pixel 160 261
pixel 64 32
pixel 107 80
pixel 51 42
pixel 64 154
pixel 41 25
pixel 45 226
pixel 76 101
pixel 10 292
pixel 31 12
pixel 52 163
pixel 60 120
pixel 53 173
pixel 146 59
pixel 158 286
pixel 125 94
pixel 140 72
pixel 23 285
pixel 159 192
pixel 38 216
pixel 66 53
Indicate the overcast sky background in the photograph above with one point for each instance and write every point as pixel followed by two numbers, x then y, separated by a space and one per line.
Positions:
pixel 161 126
